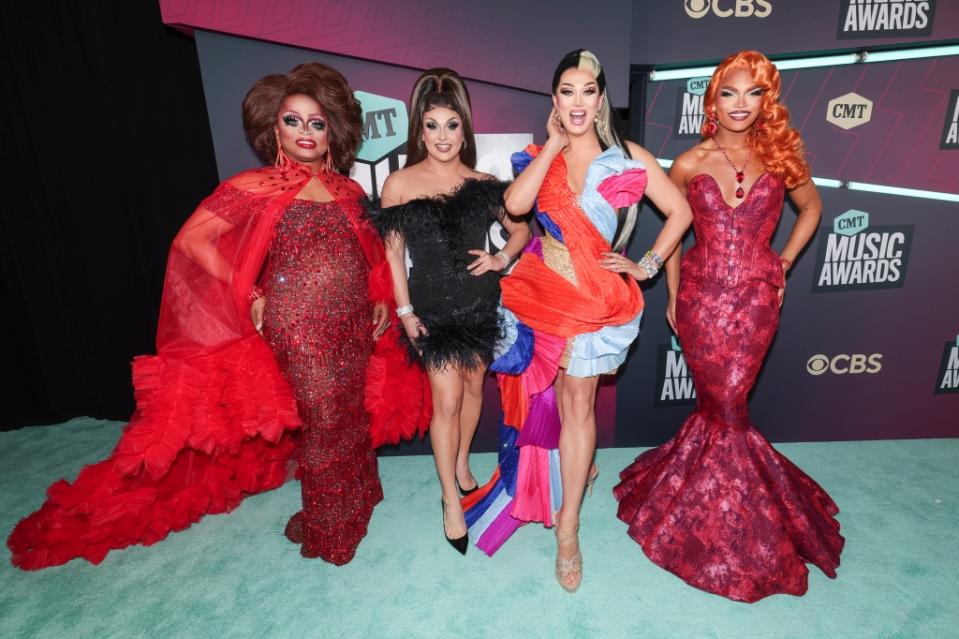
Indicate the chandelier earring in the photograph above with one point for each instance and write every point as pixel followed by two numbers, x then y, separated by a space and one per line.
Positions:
pixel 711 127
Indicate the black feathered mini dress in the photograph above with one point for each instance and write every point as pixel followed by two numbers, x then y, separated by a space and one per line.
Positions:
pixel 458 309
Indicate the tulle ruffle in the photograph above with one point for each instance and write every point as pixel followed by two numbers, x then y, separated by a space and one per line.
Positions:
pixel 207 432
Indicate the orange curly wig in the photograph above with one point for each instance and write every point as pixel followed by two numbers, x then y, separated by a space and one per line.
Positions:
pixel 775 143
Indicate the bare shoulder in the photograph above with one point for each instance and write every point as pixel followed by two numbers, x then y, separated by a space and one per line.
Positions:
pixel 639 153
pixel 485 177
pixel 689 163
pixel 396 188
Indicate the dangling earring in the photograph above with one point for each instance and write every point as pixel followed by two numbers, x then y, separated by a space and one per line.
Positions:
pixel 328 163
pixel 280 156
pixel 712 127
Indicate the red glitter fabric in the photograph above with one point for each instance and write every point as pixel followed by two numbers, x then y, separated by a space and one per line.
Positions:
pixel 317 322
pixel 717 505
pixel 215 418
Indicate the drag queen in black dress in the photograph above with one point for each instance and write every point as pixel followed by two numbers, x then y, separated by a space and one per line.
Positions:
pixel 439 209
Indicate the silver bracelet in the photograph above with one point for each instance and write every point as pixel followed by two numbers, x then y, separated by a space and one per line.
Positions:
pixel 505 256
pixel 403 311
pixel 651 263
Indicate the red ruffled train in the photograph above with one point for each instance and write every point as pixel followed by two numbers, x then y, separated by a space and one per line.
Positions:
pixel 208 431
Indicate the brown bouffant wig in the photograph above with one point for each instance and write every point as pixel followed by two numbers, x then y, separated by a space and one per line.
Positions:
pixel 776 144
pixel 324 84
pixel 434 89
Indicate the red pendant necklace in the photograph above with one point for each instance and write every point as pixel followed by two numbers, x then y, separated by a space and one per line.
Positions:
pixel 740 173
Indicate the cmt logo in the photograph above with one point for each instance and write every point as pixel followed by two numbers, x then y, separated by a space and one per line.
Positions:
pixel 885 18
pixel 849 111
pixel 383 150
pixel 948 379
pixel 854 256
pixel 736 8
pixel 674 384
pixel 950 130
pixel 843 364
pixel 689 109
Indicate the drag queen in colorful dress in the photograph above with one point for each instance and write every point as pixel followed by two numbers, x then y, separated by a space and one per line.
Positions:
pixel 572 309
pixel 717 505
pixel 227 403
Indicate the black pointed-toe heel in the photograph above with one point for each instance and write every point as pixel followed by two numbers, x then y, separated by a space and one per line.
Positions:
pixel 460 544
pixel 466 491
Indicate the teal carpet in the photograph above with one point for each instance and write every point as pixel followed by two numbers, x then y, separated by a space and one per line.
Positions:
pixel 235 575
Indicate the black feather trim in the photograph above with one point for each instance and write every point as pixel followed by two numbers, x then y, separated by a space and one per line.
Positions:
pixel 425 214
pixel 466 342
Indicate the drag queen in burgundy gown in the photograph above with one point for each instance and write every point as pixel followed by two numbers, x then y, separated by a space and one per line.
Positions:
pixel 717 505
pixel 223 412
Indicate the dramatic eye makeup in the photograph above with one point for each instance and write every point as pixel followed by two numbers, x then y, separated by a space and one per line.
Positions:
pixel 568 90
pixel 753 93
pixel 452 125
pixel 317 124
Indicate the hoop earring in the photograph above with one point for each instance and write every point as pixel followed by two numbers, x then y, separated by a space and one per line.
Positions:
pixel 464 145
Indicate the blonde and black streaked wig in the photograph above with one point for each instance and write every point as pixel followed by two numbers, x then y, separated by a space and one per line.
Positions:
pixel 439 88
pixel 606 130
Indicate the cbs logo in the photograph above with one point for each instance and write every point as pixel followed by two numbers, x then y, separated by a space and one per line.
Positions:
pixel 842 364
pixel 738 8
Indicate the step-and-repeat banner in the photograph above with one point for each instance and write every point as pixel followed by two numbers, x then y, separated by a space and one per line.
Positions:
pixel 868 341
pixel 868 345
pixel 683 32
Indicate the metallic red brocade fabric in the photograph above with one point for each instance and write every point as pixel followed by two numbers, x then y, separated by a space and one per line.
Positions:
pixel 717 505
pixel 317 323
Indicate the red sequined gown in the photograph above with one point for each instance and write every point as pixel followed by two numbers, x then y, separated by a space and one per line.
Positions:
pixel 717 505
pixel 317 322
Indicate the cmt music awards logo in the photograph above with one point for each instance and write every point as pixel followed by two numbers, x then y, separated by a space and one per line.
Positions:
pixel 854 256
pixel 844 364
pixel 726 8
pixel 885 18
pixel 689 109
pixel 950 130
pixel 383 150
pixel 948 380
pixel 849 111
pixel 674 383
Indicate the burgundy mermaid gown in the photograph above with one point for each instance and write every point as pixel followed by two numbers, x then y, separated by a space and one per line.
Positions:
pixel 717 505
pixel 317 323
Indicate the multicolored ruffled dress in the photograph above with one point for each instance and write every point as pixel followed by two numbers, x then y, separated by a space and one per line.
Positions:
pixel 560 310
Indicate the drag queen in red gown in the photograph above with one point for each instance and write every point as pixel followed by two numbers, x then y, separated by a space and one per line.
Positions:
pixel 221 410
pixel 717 505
